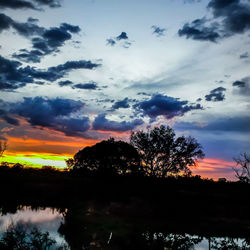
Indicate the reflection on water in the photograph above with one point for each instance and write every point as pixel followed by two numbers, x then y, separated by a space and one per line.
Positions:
pixel 85 230
pixel 45 219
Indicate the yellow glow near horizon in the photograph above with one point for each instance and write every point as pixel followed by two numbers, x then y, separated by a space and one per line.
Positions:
pixel 37 160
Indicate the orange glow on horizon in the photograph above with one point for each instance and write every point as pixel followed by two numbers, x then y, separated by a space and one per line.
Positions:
pixel 215 168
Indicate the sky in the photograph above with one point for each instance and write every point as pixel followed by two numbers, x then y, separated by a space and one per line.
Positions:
pixel 75 72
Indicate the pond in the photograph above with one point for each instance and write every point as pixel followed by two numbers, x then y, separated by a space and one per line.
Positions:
pixel 93 231
pixel 44 219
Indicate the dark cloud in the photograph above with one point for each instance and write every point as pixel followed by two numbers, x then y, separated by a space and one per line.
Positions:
pixel 158 31
pixel 5 22
pixel 226 124
pixel 52 113
pixel 164 105
pixel 55 37
pixel 65 83
pixel 32 20
pixel 10 77
pixel 13 76
pixel 230 17
pixel 10 87
pixel 25 29
pixel 57 72
pixel 4 115
pixel 235 14
pixel 121 104
pixel 90 85
pixel 244 55
pixel 216 95
pixel 49 41
pixel 32 4
pixel 50 3
pixel 33 56
pixel 44 41
pixel 10 120
pixel 242 87
pixel 102 123
pixel 239 84
pixel 122 36
pixel 16 4
pixel 197 31
pixel 122 39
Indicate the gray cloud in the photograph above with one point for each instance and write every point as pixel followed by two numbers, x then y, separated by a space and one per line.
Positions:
pixel 229 17
pixel 13 76
pixel 242 87
pixel 216 95
pixel 158 31
pixel 121 104
pixel 58 114
pixel 28 4
pixel 102 123
pixel 164 105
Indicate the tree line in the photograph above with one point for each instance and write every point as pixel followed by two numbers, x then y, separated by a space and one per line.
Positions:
pixel 157 153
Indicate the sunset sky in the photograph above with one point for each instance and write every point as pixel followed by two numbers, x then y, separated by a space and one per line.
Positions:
pixel 74 72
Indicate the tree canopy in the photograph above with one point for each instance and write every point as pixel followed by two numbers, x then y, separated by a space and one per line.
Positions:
pixel 163 154
pixel 157 152
pixel 107 157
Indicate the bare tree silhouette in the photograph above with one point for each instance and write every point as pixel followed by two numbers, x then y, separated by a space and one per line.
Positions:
pixel 242 169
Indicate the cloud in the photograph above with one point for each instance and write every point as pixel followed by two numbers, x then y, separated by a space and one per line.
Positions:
pixel 242 87
pixel 33 56
pixel 230 17
pixel 50 3
pixel 225 124
pixel 166 106
pixel 121 104
pixel 197 31
pixel 102 123
pixel 44 41
pixel 111 42
pixel 90 85
pixel 25 29
pixel 158 31
pixel 10 120
pixel 216 95
pixel 65 83
pixel 49 41
pixel 14 76
pixel 58 114
pixel 122 39
pixel 122 36
pixel 244 55
pixel 56 36
pixel 236 15
pixel 32 4
pixel 4 115
pixel 239 84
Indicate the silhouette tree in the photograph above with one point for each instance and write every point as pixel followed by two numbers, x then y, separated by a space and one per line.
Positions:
pixel 242 169
pixel 107 157
pixel 163 154
pixel 18 237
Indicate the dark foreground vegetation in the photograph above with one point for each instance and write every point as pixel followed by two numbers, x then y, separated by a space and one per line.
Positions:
pixel 130 206
pixel 193 202
pixel 139 192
